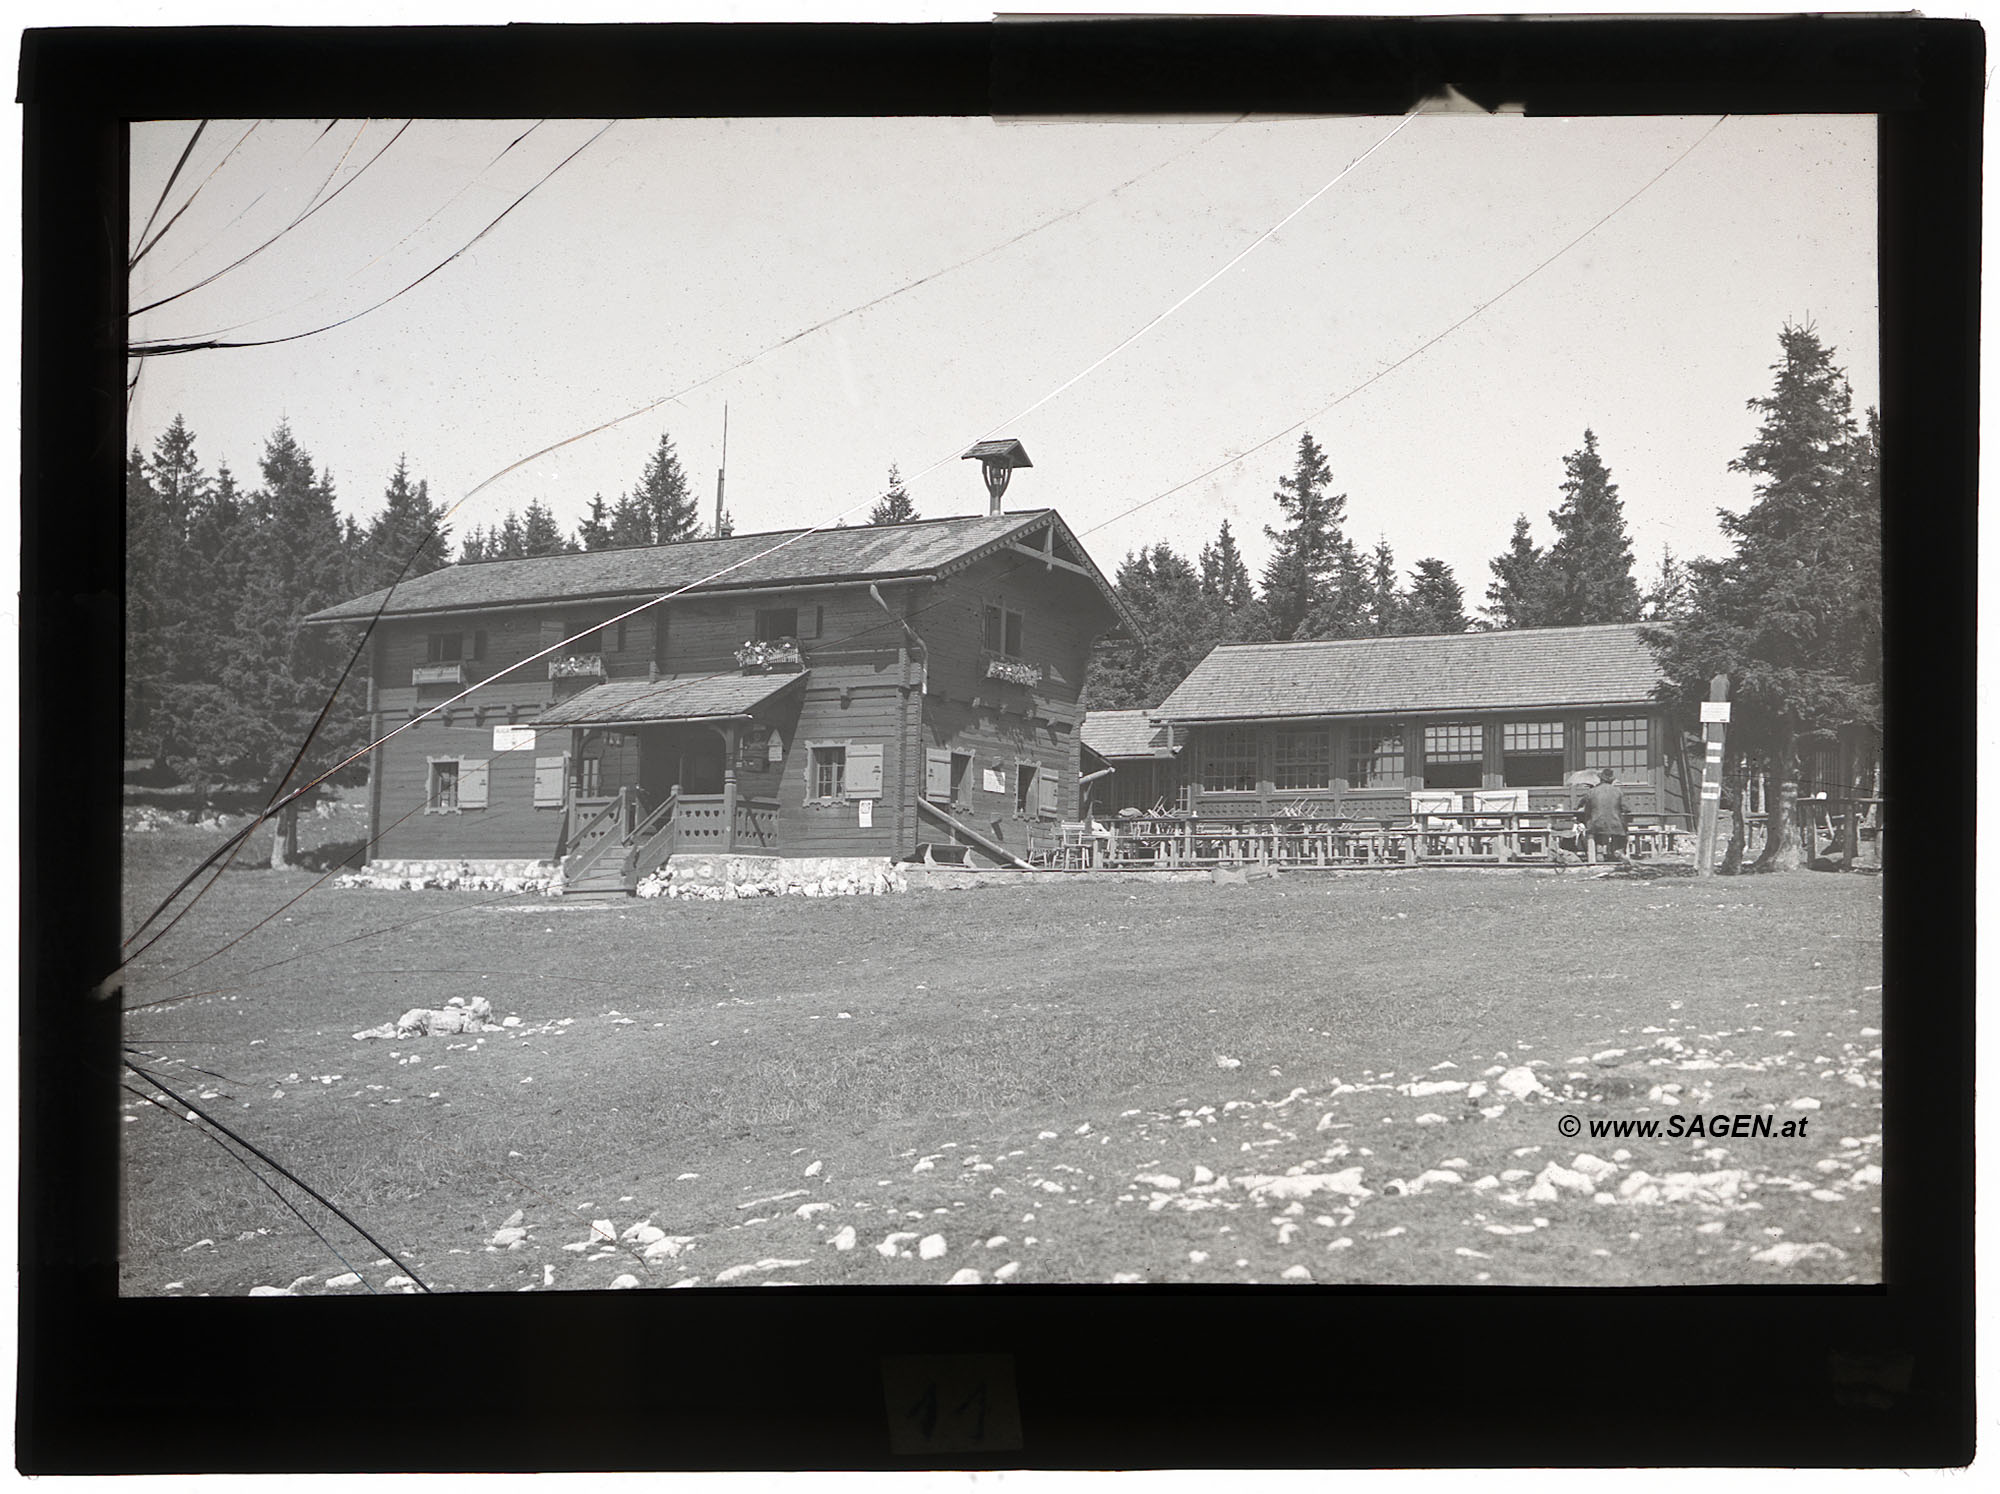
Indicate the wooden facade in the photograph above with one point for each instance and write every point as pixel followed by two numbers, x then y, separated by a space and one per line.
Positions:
pixel 1355 727
pixel 871 691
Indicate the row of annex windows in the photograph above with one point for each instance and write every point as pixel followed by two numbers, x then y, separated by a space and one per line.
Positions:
pixel 453 785
pixel 1532 754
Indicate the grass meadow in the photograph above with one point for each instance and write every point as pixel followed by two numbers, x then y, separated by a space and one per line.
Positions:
pixel 1349 1078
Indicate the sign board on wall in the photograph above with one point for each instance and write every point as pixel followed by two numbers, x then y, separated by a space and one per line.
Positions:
pixel 1714 710
pixel 995 784
pixel 867 807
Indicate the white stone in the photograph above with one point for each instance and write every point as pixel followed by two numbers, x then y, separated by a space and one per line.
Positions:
pixel 1006 1272
pixel 1158 1180
pixel 1430 1119
pixel 964 1276
pixel 270 1291
pixel 1228 1063
pixel 893 1244
pixel 624 1283
pixel 1202 1175
pixel 930 1247
pixel 1594 1168
pixel 508 1238
pixel 807 1210
pixel 845 1239
pixel 345 1279
pixel 1296 1273
pixel 1805 1102
pixel 1520 1082
pixel 604 1229
pixel 814 1170
pixel 1347 1181
pixel 1791 1252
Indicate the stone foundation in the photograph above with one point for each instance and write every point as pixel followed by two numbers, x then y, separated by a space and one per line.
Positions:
pixel 487 875
pixel 715 877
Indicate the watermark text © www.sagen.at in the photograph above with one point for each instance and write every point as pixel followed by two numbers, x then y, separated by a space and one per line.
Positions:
pixel 1693 1124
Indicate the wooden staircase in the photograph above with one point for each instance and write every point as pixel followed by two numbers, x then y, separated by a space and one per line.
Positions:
pixel 618 846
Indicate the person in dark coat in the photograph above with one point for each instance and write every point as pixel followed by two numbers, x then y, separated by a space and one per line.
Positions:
pixel 1603 814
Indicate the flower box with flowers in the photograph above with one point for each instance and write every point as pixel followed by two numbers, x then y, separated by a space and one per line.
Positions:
pixel 769 653
pixel 1013 671
pixel 577 667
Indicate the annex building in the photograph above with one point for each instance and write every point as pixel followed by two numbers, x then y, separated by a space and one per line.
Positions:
pixel 1462 721
pixel 850 693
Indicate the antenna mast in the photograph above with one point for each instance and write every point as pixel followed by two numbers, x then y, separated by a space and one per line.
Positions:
pixel 719 471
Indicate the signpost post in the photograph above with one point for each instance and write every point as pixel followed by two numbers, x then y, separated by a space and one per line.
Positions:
pixel 1714 729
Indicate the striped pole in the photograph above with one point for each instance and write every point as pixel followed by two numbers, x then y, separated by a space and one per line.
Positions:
pixel 1714 729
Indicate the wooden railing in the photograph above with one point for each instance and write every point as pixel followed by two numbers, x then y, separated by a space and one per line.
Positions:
pixel 652 841
pixel 1426 839
pixel 597 835
pixel 756 824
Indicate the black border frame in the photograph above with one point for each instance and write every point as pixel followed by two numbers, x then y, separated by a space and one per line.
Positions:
pixel 1330 1377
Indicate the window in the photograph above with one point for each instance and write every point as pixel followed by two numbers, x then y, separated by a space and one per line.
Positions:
pixel 1375 755
pixel 1003 631
pixel 1454 755
pixel 589 774
pixel 961 769
pixel 1302 759
pixel 829 772
pixel 1027 798
pixel 442 795
pixel 444 648
pixel 1616 742
pixel 774 623
pixel 1230 766
pixel 1531 753
pixel 455 783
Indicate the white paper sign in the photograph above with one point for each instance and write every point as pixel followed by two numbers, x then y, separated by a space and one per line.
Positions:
pixel 1715 710
pixel 995 784
pixel 867 807
pixel 513 738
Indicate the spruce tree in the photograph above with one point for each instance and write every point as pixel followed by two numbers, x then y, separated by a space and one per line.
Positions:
pixel 631 523
pixel 1226 580
pixel 1435 603
pixel 149 585
pixel 282 673
pixel 1518 595
pixel 1669 595
pixel 594 533
pixel 1385 599
pixel 407 531
pixel 1177 625
pixel 1312 563
pixel 1794 614
pixel 895 506
pixel 672 514
pixel 1589 568
pixel 541 534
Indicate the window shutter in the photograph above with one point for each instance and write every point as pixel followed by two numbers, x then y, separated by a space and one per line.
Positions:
pixel 937 774
pixel 472 783
pixel 1045 784
pixel 551 774
pixel 864 771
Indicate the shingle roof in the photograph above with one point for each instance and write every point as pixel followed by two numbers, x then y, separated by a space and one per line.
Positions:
pixel 671 697
pixel 1607 664
pixel 1125 734
pixel 925 548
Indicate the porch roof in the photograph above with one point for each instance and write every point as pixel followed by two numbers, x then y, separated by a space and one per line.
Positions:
pixel 671 697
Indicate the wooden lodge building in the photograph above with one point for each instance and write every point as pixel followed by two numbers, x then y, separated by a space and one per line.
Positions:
pixel 835 693
pixel 1357 727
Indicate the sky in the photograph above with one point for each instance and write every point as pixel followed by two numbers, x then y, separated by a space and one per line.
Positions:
pixel 1003 268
